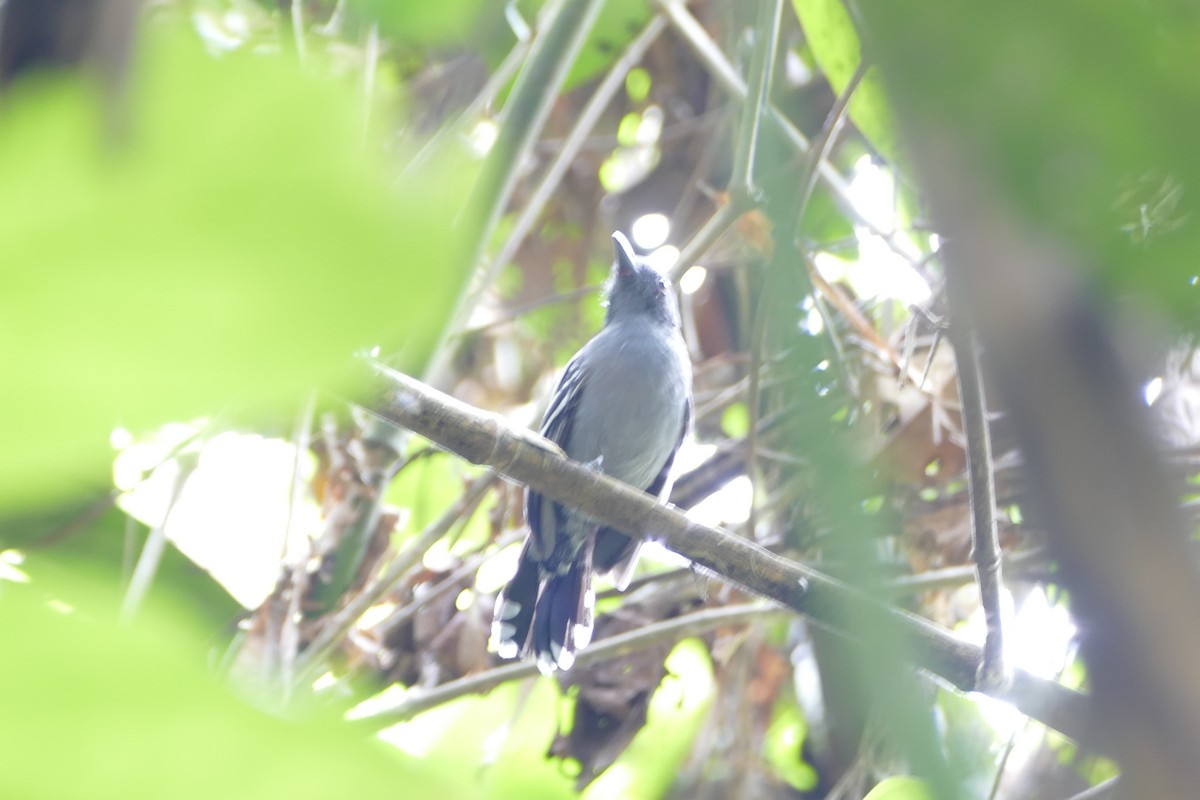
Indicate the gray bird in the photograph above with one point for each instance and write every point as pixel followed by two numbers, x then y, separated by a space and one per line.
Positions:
pixel 623 406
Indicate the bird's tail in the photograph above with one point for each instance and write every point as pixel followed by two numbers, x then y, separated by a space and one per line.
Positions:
pixel 558 611
pixel 515 607
pixel 562 623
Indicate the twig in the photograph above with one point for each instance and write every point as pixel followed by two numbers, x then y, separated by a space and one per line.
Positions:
pixel 823 144
pixel 156 542
pixel 622 644
pixel 532 305
pixel 932 580
pixel 985 544
pixel 371 63
pixel 726 214
pixel 1101 791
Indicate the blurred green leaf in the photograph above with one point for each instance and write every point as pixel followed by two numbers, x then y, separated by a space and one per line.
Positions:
pixel 234 246
pixel 1035 99
pixel 900 787
pixel 619 22
pixel 427 23
pixel 463 732
pixel 637 84
pixel 783 743
pixel 647 769
pixel 133 714
pixel 824 223
pixel 735 420
pixel 835 44
pixel 102 549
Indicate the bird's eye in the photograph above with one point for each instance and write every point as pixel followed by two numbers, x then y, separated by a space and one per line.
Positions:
pixel 662 286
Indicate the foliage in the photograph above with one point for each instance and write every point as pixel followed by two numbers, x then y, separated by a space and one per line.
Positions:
pixel 272 189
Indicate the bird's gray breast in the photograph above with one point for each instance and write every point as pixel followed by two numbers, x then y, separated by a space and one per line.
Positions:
pixel 633 403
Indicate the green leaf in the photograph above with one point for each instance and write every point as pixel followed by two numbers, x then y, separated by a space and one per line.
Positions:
pixel 835 45
pixel 735 420
pixel 429 23
pixel 231 247
pixel 134 713
pixel 783 743
pixel 637 84
pixel 1072 140
pixel 900 787
pixel 619 22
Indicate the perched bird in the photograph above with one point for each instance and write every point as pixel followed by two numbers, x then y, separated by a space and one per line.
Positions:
pixel 623 407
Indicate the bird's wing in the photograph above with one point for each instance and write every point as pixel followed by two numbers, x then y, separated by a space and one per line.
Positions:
pixel 556 426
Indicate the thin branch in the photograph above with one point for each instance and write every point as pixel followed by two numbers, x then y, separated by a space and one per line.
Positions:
pixel 1101 791
pixel 462 123
pixel 550 57
pixel 622 644
pixel 516 312
pixel 762 62
pixel 931 580
pixel 985 544
pixel 588 117
pixel 824 142
pixel 156 542
pixel 742 185
pixel 524 456
pixel 726 214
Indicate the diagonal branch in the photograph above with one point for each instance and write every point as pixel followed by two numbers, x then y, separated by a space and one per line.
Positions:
pixel 524 456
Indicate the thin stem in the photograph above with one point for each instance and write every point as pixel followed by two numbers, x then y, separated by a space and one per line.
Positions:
pixel 762 62
pixel 403 613
pixel 533 305
pixel 156 543
pixel 949 577
pixel 985 545
pixel 596 106
pixel 824 142
pixel 371 59
pixel 725 215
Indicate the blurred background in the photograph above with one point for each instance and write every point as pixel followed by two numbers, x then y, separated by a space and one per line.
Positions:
pixel 212 210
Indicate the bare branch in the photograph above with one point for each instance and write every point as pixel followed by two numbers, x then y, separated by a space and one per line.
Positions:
pixel 985 544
